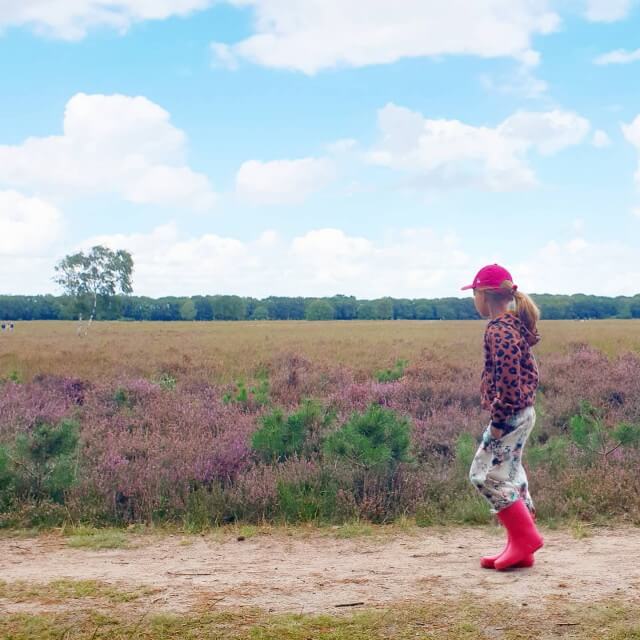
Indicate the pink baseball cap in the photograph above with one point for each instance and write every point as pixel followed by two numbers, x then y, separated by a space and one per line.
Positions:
pixel 490 277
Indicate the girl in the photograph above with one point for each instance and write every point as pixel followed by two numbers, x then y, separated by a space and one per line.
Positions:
pixel 508 390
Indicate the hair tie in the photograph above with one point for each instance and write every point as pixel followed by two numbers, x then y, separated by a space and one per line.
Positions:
pixel 514 288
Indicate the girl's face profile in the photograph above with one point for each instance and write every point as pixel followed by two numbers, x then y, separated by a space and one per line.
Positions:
pixel 480 300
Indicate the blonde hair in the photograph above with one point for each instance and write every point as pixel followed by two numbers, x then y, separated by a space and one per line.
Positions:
pixel 525 308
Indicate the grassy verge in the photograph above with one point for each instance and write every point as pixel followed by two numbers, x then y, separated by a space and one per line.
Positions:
pixel 463 620
pixel 63 591
pixel 94 538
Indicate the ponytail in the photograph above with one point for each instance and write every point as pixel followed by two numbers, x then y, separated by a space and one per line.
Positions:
pixel 527 310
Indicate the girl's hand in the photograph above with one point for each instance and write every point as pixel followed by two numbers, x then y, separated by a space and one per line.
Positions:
pixel 496 432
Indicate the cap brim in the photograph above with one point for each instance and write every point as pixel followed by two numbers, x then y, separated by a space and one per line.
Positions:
pixel 469 286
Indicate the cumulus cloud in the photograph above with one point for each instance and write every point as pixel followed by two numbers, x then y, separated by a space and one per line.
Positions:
pixel 619 56
pixel 283 181
pixel 582 266
pixel 110 144
pixel 522 82
pixel 608 10
pixel 72 19
pixel 31 227
pixel 312 35
pixel 28 224
pixel 412 262
pixel 449 153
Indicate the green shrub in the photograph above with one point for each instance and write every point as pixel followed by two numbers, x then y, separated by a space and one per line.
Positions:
pixel 554 453
pixel 627 435
pixel 281 437
pixel 167 382
pixel 206 507
pixel 121 398
pixel 594 440
pixel 307 501
pixel 391 375
pixel 41 465
pixel 587 431
pixel 258 394
pixel 260 390
pixel 377 438
pixel 466 447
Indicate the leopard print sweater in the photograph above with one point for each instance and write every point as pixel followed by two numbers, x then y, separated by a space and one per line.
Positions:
pixel 510 376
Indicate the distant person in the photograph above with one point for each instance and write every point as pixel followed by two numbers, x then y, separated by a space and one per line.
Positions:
pixel 4 326
pixel 11 326
pixel 509 384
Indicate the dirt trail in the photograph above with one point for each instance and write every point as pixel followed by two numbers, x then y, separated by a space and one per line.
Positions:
pixel 316 573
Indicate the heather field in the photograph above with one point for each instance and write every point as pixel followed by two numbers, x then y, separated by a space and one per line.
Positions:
pixel 200 424
pixel 322 465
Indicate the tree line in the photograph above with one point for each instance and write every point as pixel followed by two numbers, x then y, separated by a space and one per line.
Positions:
pixel 339 307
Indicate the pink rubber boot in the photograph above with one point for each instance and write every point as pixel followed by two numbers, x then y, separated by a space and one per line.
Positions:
pixel 524 538
pixel 489 562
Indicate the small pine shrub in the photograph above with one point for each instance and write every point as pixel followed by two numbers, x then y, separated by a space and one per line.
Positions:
pixel 167 382
pixel 240 395
pixel 258 395
pixel 281 437
pixel 466 447
pixel 377 438
pixel 260 391
pixel 594 440
pixel 41 465
pixel 554 453
pixel 391 375
pixel 628 435
pixel 121 398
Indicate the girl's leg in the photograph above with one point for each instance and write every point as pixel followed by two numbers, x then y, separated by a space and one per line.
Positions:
pixel 498 474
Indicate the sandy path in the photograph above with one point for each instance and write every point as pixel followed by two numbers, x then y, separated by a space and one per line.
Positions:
pixel 316 573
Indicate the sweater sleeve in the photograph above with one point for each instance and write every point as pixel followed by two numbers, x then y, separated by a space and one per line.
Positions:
pixel 505 355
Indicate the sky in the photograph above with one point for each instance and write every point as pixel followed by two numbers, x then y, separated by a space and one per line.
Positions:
pixel 316 147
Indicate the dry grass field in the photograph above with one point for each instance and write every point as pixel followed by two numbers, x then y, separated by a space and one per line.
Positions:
pixel 225 350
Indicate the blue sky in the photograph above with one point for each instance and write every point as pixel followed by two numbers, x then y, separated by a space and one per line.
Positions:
pixel 309 148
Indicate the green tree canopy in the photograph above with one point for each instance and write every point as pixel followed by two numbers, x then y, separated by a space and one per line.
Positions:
pixel 320 310
pixel 101 272
pixel 188 310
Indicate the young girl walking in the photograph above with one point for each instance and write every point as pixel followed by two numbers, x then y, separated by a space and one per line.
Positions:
pixel 508 390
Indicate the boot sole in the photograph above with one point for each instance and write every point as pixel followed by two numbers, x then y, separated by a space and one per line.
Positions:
pixel 516 565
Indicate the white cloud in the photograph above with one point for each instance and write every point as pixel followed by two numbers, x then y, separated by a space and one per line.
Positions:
pixel 636 212
pixel 72 19
pixel 548 132
pixel 581 266
pixel 413 262
pixel 619 56
pixel 608 10
pixel 418 262
pixel 28 225
pixel 110 144
pixel 523 82
pixel 450 153
pixel 283 181
pixel 312 35
pixel 632 134
pixel 222 56
pixel 600 139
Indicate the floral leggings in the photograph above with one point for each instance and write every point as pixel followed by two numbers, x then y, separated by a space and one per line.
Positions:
pixel 497 471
